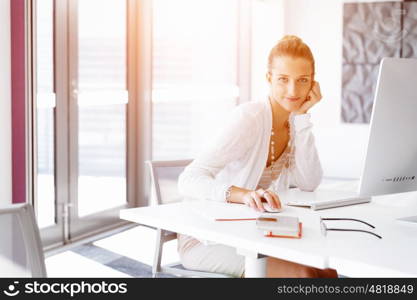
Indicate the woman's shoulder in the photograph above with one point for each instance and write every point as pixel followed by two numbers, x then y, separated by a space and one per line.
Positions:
pixel 251 109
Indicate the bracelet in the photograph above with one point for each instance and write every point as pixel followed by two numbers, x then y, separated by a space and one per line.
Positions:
pixel 228 193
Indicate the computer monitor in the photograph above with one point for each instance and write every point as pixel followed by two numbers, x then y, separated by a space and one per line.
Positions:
pixel 391 157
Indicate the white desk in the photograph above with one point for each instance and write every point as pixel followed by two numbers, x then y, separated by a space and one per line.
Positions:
pixel 361 255
pixel 350 253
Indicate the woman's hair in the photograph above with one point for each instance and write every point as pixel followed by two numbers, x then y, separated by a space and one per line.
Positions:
pixel 292 46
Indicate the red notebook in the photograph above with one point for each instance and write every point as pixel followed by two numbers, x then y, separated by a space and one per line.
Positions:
pixel 298 236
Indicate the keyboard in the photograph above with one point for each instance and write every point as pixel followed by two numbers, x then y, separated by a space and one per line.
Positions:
pixel 321 198
pixel 317 205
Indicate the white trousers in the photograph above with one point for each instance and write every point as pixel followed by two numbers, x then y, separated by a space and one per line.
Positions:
pixel 215 258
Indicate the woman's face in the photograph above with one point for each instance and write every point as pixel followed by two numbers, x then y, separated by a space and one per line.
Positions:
pixel 290 80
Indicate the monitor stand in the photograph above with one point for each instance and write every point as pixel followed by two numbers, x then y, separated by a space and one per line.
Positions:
pixel 408 220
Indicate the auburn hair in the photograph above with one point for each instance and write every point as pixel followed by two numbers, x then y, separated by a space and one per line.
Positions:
pixel 292 46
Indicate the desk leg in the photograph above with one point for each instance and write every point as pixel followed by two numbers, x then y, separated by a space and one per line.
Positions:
pixel 255 264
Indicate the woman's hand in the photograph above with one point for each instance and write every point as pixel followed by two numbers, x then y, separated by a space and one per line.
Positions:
pixel 254 199
pixel 314 96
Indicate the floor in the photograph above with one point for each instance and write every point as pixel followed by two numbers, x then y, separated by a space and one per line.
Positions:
pixel 126 254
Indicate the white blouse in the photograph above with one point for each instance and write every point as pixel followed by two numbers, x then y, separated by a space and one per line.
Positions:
pixel 271 174
pixel 239 154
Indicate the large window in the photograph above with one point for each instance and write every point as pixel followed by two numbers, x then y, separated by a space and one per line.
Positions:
pixel 195 72
pixel 184 59
pixel 102 99
pixel 81 116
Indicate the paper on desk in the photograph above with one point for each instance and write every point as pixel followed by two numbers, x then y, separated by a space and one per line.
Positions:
pixel 212 210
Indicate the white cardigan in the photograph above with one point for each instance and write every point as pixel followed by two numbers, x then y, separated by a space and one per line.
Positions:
pixel 238 155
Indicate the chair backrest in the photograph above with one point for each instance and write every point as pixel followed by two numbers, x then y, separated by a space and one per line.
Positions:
pixel 164 177
pixel 21 253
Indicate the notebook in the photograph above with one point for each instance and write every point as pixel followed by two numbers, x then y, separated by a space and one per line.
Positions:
pixel 279 226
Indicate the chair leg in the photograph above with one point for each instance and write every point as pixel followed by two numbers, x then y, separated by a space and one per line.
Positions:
pixel 156 267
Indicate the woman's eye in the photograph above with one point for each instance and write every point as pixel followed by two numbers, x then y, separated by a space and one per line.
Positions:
pixel 304 80
pixel 282 79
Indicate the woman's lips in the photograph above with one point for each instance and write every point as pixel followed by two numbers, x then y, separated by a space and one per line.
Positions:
pixel 292 99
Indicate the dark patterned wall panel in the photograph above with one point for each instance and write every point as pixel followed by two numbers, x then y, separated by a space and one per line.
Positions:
pixel 410 30
pixel 372 31
pixel 358 84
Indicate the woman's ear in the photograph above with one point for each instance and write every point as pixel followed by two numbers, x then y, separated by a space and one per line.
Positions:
pixel 268 76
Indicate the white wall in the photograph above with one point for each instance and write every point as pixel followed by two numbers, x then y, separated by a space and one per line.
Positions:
pixel 5 105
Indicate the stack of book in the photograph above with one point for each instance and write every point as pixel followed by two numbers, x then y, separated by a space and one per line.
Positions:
pixel 279 226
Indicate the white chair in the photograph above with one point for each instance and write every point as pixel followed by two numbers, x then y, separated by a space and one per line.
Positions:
pixel 21 253
pixel 164 177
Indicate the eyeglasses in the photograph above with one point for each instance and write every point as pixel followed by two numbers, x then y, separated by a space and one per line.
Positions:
pixel 324 228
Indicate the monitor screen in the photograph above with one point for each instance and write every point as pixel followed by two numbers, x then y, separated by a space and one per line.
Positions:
pixel 391 157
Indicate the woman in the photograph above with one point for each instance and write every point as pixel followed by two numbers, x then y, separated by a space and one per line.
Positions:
pixel 266 147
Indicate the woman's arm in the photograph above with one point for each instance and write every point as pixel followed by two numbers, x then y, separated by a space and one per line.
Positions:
pixel 199 178
pixel 307 172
